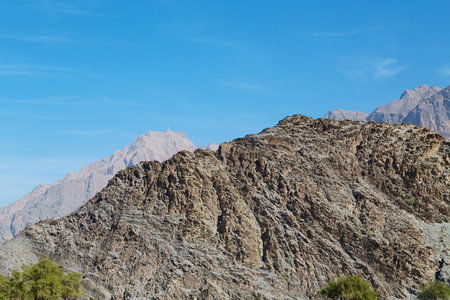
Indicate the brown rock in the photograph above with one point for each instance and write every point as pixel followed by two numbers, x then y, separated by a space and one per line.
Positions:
pixel 271 215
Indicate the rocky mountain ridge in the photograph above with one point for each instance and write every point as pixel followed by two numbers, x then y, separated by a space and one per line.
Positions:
pixel 424 106
pixel 68 193
pixel 271 215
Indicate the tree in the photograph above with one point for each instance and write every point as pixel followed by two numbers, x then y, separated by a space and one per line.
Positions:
pixel 44 280
pixel 434 290
pixel 348 287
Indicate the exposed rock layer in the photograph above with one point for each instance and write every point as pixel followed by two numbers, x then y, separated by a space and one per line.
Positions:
pixel 68 193
pixel 271 215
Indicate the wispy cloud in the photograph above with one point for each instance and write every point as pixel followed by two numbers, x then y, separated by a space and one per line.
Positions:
pixel 386 67
pixel 65 7
pixel 218 42
pixel 67 100
pixel 92 133
pixel 205 34
pixel 444 71
pixel 35 38
pixel 254 85
pixel 32 116
pixel 371 68
pixel 246 86
pixel 29 70
pixel 337 34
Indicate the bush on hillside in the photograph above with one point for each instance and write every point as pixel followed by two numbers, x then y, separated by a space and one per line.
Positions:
pixel 434 290
pixel 348 287
pixel 44 280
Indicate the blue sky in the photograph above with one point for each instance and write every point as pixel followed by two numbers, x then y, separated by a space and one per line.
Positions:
pixel 80 79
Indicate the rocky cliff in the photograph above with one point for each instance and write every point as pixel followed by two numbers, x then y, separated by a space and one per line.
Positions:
pixel 67 194
pixel 424 106
pixel 269 216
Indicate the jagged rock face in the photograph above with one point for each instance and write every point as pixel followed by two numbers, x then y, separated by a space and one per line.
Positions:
pixel 340 114
pixel 67 194
pixel 271 215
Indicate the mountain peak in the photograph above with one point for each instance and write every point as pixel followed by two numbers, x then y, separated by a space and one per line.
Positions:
pixel 425 105
pixel 68 193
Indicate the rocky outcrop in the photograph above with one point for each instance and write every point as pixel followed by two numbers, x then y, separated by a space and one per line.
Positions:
pixel 67 194
pixel 271 215
pixel 340 114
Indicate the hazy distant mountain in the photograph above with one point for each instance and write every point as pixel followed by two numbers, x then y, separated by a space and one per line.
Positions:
pixel 67 194
pixel 340 115
pixel 433 113
pixel 396 111
pixel 210 147
pixel 425 106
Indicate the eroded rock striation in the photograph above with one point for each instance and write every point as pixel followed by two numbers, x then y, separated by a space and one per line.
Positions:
pixel 271 215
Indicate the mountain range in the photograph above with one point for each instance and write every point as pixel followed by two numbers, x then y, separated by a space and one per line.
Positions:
pixel 273 215
pixel 424 106
pixel 67 194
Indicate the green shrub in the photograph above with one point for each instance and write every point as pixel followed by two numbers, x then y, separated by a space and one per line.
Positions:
pixel 44 280
pixel 348 287
pixel 434 290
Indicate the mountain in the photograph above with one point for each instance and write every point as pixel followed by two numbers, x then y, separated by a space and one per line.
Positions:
pixel 210 147
pixel 397 110
pixel 273 215
pixel 340 114
pixel 433 112
pixel 67 194
pixel 424 106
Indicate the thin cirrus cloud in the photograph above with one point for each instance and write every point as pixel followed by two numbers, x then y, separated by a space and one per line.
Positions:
pixel 337 34
pixel 370 68
pixel 246 86
pixel 91 133
pixel 65 7
pixel 217 42
pixel 11 69
pixel 63 100
pixel 253 86
pixel 444 71
pixel 35 38
pixel 387 67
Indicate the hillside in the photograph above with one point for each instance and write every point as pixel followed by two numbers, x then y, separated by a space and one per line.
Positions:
pixel 271 215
